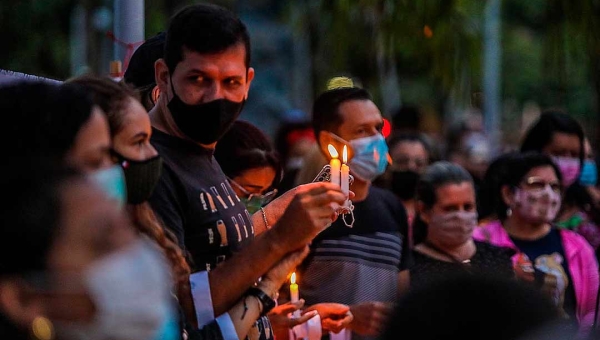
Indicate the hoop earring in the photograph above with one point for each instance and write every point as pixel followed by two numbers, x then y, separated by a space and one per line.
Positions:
pixel 508 212
pixel 42 328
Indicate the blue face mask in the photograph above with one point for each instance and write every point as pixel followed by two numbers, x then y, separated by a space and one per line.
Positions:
pixel 589 173
pixel 112 182
pixel 170 329
pixel 370 157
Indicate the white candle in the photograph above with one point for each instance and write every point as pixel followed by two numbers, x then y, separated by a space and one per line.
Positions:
pixel 345 172
pixel 335 165
pixel 294 293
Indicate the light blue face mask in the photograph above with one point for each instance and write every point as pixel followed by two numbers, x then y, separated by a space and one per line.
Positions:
pixel 170 328
pixel 589 173
pixel 112 182
pixel 370 157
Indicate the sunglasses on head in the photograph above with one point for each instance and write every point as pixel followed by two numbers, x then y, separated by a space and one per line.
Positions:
pixel 537 183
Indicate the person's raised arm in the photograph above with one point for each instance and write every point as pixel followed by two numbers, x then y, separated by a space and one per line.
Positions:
pixel 238 321
pixel 244 319
pixel 267 217
pixel 310 211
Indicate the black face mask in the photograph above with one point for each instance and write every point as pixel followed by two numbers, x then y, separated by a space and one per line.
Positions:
pixel 140 177
pixel 404 183
pixel 204 123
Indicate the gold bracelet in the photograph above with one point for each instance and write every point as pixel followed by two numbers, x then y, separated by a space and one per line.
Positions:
pixel 265 218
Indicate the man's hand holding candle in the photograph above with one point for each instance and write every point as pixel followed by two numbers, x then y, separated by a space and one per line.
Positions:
pixel 312 209
pixel 275 209
pixel 277 275
pixel 281 322
pixel 340 174
pixel 334 316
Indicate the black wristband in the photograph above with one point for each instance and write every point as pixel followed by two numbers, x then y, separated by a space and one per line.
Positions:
pixel 267 302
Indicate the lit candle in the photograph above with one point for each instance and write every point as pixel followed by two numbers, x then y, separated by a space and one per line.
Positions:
pixel 335 165
pixel 345 180
pixel 294 294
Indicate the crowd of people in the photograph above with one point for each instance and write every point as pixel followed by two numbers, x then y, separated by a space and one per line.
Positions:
pixel 144 209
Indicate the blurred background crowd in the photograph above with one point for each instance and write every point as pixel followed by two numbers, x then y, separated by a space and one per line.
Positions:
pixel 428 54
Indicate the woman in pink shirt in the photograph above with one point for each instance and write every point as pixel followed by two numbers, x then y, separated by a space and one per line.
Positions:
pixel 560 262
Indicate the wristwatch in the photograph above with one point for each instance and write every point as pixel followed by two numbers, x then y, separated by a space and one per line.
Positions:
pixel 267 302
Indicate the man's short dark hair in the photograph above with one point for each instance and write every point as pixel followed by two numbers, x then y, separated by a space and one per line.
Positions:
pixel 325 109
pixel 204 28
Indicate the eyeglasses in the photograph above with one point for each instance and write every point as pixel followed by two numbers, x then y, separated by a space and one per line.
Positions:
pixel 266 197
pixel 537 183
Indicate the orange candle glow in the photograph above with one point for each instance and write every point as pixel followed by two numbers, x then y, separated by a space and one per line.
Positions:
pixel 294 293
pixel 335 165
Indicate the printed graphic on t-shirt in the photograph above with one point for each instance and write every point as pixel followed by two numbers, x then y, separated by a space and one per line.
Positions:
pixel 211 202
pixel 218 196
pixel 226 223
pixel 237 228
pixel 211 236
pixel 241 219
pixel 555 280
pixel 240 228
pixel 203 201
pixel 223 232
pixel 227 194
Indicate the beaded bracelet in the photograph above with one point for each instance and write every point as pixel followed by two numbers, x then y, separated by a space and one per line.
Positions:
pixel 265 218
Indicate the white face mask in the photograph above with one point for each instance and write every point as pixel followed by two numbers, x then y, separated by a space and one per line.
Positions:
pixel 132 294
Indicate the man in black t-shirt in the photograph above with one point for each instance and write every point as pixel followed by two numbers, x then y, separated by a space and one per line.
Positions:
pixel 204 80
pixel 363 266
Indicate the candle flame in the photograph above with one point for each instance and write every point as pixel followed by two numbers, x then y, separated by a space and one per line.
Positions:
pixel 345 155
pixel 332 151
pixel 293 278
